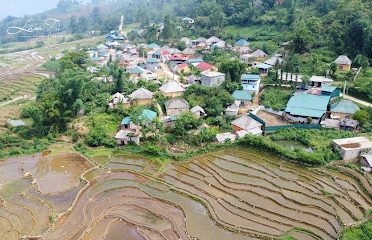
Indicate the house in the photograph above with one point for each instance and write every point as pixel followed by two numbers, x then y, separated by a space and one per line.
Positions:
pixel 213 40
pixel 243 96
pixel 343 63
pixel 251 82
pixel 243 50
pixel 119 99
pixel 343 109
pixel 247 124
pixel 141 96
pixel 152 64
pixel 187 41
pixel 212 79
pixel 172 89
pixel 152 47
pixel 330 91
pixel 304 107
pixel 275 60
pixel 220 44
pixel 162 55
pixel 181 68
pixel 188 21
pixel 352 148
pixel 177 106
pixel 263 68
pixel 198 41
pixel 178 58
pixel 195 61
pixel 366 162
pixel 138 72
pixel 204 67
pixel 225 137
pixel 241 43
pixel 233 109
pixel 319 81
pixel 198 112
pixel 259 54
pixel 188 51
pixel 129 131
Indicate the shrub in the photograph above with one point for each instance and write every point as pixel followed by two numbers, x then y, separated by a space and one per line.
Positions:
pixel 152 150
pixel 97 137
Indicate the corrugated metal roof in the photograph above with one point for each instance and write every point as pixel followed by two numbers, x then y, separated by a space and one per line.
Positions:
pixel 345 106
pixel 250 77
pixel 242 95
pixel 308 105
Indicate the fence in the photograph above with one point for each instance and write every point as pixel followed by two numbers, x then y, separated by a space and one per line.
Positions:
pixel 268 129
pixel 301 126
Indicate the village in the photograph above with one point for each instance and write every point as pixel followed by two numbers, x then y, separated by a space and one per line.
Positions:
pixel 314 103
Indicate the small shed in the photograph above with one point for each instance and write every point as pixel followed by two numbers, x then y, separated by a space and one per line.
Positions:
pixel 352 148
pixel 198 112
pixel 343 63
pixel 176 106
pixel 225 137
pixel 343 108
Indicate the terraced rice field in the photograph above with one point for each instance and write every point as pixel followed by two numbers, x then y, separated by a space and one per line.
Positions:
pixel 235 194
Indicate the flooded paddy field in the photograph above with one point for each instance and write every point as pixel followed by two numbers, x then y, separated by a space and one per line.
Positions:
pixel 233 194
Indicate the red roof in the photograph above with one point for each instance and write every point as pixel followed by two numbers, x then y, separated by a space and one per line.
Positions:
pixel 182 66
pixel 165 52
pixel 178 57
pixel 204 66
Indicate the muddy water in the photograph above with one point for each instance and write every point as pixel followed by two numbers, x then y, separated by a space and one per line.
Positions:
pixel 34 188
pixel 235 194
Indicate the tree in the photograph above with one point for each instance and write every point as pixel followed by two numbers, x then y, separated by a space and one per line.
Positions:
pixel 361 61
pixel 83 24
pixel 234 68
pixel 74 26
pixel 169 29
pixel 301 38
pixel 97 15
pixel 184 123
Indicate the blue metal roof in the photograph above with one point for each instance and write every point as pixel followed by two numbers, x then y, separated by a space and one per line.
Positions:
pixel 241 43
pixel 250 77
pixel 195 60
pixel 242 95
pixel 125 121
pixel 152 60
pixel 148 114
pixel 264 66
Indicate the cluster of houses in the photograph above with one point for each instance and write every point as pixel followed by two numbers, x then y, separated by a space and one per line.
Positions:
pixel 319 104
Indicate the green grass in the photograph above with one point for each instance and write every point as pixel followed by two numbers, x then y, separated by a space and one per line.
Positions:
pixel 276 98
pixel 107 122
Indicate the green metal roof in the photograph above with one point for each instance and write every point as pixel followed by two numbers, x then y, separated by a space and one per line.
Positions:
pixel 329 89
pixel 153 46
pixel 308 105
pixel 148 114
pixel 135 70
pixel 242 95
pixel 250 77
pixel 345 106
